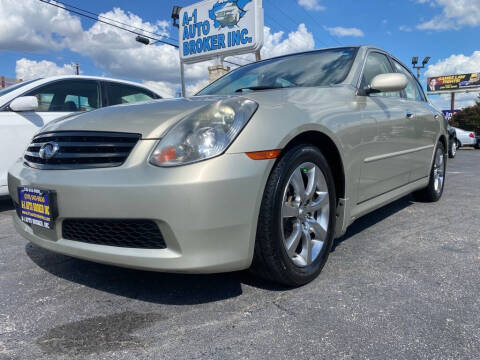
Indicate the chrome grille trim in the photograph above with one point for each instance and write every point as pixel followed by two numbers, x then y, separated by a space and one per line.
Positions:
pixel 81 150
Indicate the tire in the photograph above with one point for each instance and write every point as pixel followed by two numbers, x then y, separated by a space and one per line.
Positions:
pixel 452 148
pixel 433 192
pixel 284 217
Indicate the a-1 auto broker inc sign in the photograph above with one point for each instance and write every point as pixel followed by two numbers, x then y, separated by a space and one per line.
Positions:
pixel 215 28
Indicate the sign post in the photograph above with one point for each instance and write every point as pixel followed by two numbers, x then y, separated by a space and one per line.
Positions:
pixel 215 29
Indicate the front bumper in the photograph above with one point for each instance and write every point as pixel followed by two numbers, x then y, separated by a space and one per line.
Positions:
pixel 207 212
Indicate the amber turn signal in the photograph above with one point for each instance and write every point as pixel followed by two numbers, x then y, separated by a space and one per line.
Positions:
pixel 263 155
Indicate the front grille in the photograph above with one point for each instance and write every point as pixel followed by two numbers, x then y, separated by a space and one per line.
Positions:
pixel 81 150
pixel 140 234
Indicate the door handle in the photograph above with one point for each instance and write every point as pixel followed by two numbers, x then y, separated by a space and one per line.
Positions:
pixel 436 116
pixel 410 114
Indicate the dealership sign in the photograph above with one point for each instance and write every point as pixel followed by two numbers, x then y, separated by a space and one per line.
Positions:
pixel 220 28
pixel 454 83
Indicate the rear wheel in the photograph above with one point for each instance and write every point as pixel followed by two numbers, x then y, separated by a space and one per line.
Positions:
pixel 433 192
pixel 452 151
pixel 297 218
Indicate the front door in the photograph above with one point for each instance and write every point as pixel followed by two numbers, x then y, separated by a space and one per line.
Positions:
pixel 385 165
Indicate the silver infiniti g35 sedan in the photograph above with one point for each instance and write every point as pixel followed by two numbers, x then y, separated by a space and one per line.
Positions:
pixel 262 169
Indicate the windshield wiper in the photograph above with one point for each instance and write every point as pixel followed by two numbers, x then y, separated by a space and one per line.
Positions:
pixel 256 88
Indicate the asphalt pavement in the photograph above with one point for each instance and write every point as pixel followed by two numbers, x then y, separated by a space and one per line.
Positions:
pixel 403 283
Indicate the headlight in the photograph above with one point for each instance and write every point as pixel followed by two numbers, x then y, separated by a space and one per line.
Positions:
pixel 206 133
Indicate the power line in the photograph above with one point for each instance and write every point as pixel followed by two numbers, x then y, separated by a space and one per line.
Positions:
pixel 105 22
pixel 119 27
pixel 320 26
pixel 112 20
pixel 291 19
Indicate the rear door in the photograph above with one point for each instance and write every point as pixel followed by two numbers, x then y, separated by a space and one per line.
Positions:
pixel 422 126
pixel 384 166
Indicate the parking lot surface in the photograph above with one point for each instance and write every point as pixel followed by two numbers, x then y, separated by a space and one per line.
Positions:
pixel 403 283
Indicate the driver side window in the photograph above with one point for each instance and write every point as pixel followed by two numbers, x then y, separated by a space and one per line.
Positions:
pixel 377 64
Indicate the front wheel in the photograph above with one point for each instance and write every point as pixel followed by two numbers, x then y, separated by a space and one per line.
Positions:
pixel 433 192
pixel 296 223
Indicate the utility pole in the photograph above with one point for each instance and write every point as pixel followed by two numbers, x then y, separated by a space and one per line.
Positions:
pixel 77 68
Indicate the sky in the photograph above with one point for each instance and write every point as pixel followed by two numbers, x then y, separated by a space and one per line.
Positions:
pixel 38 40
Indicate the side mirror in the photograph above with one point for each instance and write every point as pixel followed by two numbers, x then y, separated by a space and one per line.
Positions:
pixel 392 82
pixel 24 103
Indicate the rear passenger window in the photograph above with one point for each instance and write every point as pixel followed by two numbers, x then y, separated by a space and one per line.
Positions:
pixel 126 94
pixel 412 91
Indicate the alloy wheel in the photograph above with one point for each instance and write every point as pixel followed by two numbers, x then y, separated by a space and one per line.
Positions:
pixel 305 214
pixel 439 171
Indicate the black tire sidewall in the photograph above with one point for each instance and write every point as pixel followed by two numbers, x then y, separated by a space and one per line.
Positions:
pixel 431 186
pixel 289 163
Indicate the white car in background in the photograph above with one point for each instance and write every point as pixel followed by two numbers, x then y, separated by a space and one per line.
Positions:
pixel 465 138
pixel 29 105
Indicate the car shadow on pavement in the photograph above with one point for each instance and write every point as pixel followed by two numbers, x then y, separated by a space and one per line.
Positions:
pixel 175 289
pixel 154 287
pixel 373 218
pixel 6 204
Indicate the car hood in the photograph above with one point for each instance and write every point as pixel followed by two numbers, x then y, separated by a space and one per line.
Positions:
pixel 150 119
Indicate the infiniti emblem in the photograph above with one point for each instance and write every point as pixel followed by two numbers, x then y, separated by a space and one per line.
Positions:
pixel 48 150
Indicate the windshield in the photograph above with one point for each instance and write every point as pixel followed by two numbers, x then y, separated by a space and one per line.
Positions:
pixel 15 87
pixel 318 68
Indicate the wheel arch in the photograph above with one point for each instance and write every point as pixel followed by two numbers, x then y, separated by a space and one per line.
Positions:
pixel 331 151
pixel 444 141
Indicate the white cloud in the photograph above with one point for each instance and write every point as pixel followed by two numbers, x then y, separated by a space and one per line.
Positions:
pixel 442 102
pixel 30 69
pixel 275 44
pixel 342 31
pixel 192 89
pixel 454 15
pixel 311 5
pixel 115 52
pixel 34 26
pixel 405 28
pixel 163 88
pixel 455 64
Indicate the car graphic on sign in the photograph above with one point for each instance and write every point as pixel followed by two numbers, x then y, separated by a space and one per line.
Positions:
pixel 472 81
pixel 229 15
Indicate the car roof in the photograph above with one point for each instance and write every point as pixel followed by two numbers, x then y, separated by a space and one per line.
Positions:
pixel 100 78
pixel 4 99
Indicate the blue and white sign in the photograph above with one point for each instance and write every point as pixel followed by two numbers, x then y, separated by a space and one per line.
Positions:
pixel 449 114
pixel 213 28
